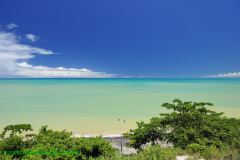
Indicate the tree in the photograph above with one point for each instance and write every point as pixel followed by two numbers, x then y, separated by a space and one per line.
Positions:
pixel 15 143
pixel 50 144
pixel 16 129
pixel 190 125
pixel 145 133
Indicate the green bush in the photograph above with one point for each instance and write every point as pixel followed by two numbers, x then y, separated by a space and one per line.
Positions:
pixel 145 133
pixel 156 152
pixel 55 145
pixel 5 157
pixel 12 146
pixel 153 152
pixel 93 147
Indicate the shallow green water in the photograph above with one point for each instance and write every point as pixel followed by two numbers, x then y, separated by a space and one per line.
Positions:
pixel 94 105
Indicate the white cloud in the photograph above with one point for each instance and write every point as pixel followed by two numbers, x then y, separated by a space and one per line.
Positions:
pixel 14 58
pixel 11 48
pixel 31 37
pixel 11 26
pixel 226 75
pixel 49 72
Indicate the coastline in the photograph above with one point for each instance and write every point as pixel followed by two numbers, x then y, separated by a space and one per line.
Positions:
pixel 93 106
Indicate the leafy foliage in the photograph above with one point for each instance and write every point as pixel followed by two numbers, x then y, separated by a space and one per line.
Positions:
pixel 94 147
pixel 16 129
pixel 190 126
pixel 49 144
pixel 155 152
pixel 14 144
pixel 145 133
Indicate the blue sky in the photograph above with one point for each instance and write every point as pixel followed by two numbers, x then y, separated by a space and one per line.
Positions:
pixel 149 38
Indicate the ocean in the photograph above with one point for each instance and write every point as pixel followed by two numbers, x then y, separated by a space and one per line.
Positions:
pixel 106 106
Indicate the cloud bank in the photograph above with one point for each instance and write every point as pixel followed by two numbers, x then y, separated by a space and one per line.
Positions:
pixel 226 75
pixel 28 70
pixel 14 57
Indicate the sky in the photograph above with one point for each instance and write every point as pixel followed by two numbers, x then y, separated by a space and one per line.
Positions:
pixel 119 38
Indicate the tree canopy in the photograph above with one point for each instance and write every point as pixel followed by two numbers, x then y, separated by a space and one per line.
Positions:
pixel 190 125
pixel 50 144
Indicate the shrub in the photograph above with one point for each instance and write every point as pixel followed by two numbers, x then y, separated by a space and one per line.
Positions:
pixel 154 152
pixel 93 147
pixel 54 145
pixel 5 157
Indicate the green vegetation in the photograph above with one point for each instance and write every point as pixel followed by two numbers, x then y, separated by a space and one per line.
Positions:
pixel 155 152
pixel 49 144
pixel 191 129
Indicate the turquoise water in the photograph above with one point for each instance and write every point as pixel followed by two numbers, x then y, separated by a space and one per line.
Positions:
pixel 94 105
